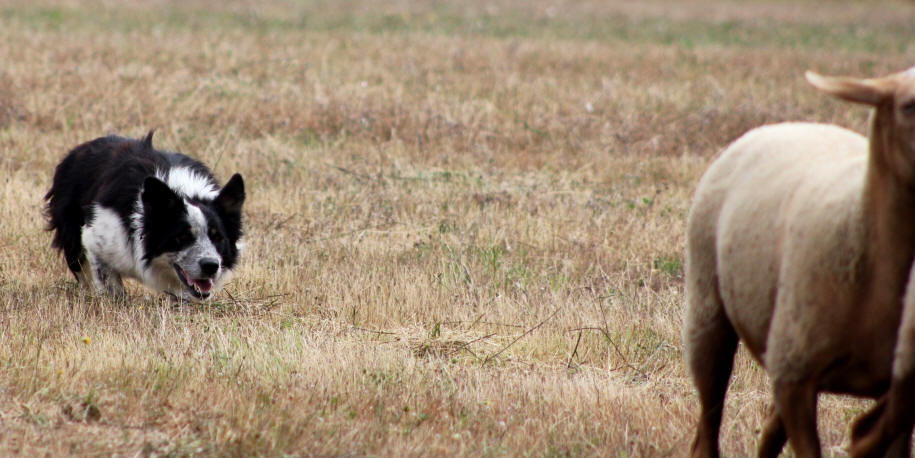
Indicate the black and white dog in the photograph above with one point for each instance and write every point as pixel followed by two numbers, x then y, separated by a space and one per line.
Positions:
pixel 120 207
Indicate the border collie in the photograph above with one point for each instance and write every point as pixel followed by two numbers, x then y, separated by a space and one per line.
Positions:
pixel 122 208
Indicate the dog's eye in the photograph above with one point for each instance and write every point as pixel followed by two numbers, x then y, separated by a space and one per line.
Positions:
pixel 184 239
pixel 215 236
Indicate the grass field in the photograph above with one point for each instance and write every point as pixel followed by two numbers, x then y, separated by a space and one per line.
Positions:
pixel 464 219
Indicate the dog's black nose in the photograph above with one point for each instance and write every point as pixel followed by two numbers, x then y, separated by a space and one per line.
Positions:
pixel 209 266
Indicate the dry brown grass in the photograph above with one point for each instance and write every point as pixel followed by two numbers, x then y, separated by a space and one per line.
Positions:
pixel 465 223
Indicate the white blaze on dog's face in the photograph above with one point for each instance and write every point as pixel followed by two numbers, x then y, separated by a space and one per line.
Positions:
pixel 199 265
pixel 189 244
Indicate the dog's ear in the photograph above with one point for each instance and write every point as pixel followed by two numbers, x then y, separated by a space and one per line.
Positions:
pixel 147 142
pixel 158 198
pixel 232 196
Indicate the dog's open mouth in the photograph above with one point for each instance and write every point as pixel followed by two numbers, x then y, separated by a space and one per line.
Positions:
pixel 199 287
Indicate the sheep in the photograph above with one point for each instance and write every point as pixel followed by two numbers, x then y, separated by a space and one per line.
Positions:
pixel 800 242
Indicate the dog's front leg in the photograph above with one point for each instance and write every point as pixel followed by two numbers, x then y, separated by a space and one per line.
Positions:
pixel 105 279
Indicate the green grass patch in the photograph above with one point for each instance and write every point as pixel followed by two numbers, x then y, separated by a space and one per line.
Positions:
pixel 441 20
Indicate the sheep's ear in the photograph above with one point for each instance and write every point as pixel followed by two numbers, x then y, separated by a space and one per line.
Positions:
pixel 866 91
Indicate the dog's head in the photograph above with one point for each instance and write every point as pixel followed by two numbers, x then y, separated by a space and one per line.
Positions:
pixel 190 245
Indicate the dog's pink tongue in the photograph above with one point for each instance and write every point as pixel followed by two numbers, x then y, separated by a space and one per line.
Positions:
pixel 203 284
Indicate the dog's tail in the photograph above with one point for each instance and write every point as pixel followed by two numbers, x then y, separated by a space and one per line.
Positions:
pixel 65 214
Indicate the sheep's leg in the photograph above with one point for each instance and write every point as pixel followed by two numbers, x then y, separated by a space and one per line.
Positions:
pixel 863 434
pixel 773 436
pixel 796 404
pixel 886 430
pixel 901 446
pixel 710 358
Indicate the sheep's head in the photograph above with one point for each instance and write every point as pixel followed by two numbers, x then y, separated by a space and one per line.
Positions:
pixel 893 123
